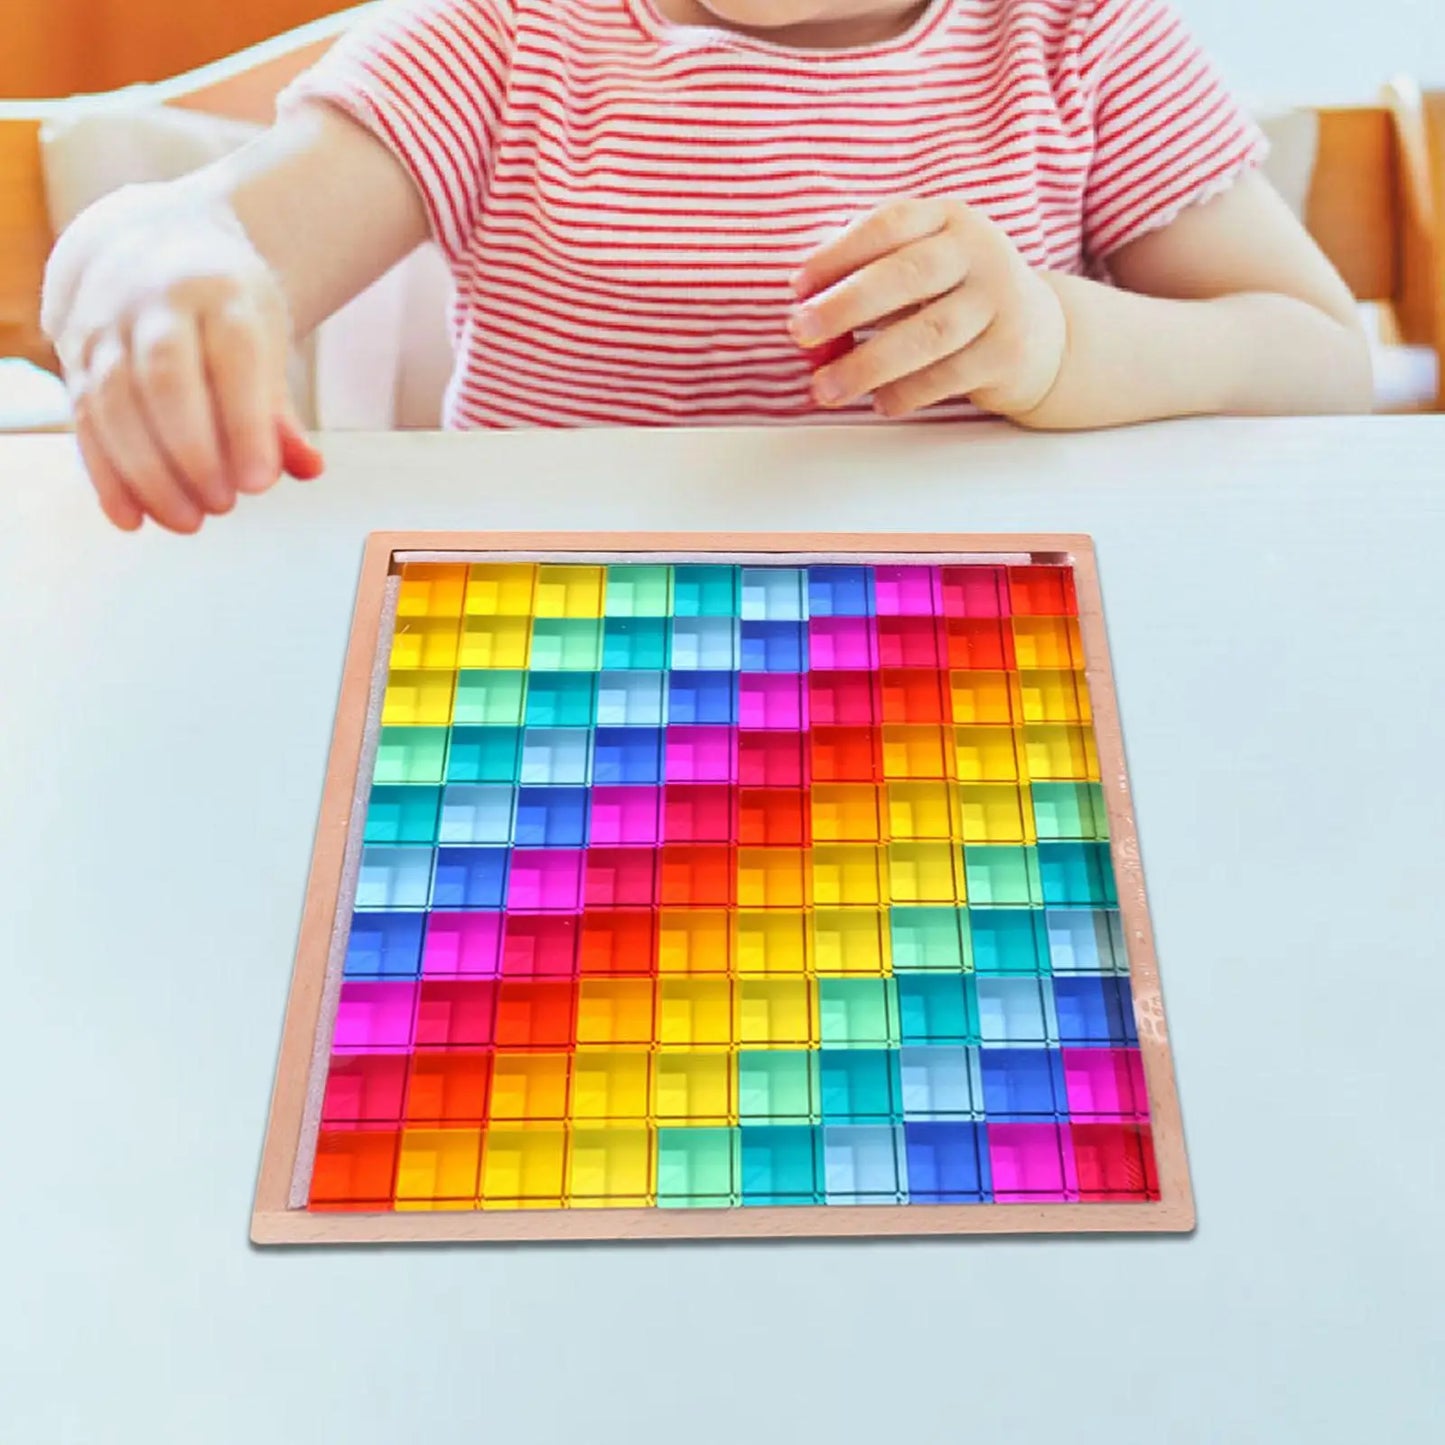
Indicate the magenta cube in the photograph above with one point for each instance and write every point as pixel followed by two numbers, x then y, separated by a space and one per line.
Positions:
pixel 372 1016
pixel 772 700
pixel 462 945
pixel 626 816
pixel 842 644
pixel 1032 1163
pixel 545 878
pixel 906 591
pixel 701 754
pixel 1106 1084
pixel 973 592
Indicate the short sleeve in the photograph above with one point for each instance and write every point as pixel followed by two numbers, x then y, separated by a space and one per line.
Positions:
pixel 1167 132
pixel 427 78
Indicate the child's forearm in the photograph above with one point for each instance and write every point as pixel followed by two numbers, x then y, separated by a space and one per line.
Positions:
pixel 1133 358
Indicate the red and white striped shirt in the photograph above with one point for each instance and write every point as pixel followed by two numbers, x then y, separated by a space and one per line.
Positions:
pixel 622 200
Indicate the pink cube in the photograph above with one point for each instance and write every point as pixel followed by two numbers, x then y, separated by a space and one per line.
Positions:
pixel 373 1016
pixel 461 945
pixel 772 700
pixel 701 754
pixel 1106 1084
pixel 545 878
pixel 842 644
pixel 626 816
pixel 906 591
pixel 1032 1163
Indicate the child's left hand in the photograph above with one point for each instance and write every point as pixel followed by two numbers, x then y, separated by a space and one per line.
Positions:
pixel 957 312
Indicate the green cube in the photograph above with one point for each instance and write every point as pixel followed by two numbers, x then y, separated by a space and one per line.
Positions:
pixel 488 696
pixel 634 591
pixel 566 644
pixel 929 938
pixel 697 1168
pixel 1070 812
pixel 411 755
pixel 1002 876
pixel 858 1013
pixel 777 1086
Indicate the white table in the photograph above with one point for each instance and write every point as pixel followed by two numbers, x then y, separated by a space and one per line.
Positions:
pixel 1276 605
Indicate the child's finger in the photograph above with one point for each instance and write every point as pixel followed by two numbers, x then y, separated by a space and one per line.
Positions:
pixel 299 458
pixel 916 274
pixel 869 238
pixel 974 369
pixel 111 405
pixel 115 500
pixel 171 380
pixel 908 346
pixel 238 358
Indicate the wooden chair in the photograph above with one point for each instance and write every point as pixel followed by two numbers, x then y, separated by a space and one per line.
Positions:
pixel 1376 201
pixel 242 87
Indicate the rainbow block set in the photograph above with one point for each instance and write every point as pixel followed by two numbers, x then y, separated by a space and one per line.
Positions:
pixel 713 885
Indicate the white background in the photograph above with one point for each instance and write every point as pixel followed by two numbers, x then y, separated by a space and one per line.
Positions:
pixel 1319 50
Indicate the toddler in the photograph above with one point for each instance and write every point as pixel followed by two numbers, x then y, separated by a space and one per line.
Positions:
pixel 714 211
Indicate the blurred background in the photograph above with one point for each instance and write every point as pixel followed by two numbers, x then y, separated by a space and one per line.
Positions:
pixel 96 94
pixel 1318 50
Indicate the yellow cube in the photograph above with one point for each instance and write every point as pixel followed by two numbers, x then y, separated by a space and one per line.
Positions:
pixel 610 1168
pixel 438 1169
pixel 524 1168
pixel 694 1011
pixel 851 941
pixel 501 589
pixel 570 591
pixel 778 1013
pixel 691 1088
pixel 770 941
pixel 925 873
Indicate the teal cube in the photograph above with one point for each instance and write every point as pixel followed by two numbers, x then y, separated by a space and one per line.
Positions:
pixel 705 591
pixel 635 644
pixel 1009 940
pixel 860 1086
pixel 405 814
pixel 782 1164
pixel 937 1008
pixel 484 755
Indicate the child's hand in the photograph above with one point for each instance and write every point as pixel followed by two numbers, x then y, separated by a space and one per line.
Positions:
pixel 958 312
pixel 175 348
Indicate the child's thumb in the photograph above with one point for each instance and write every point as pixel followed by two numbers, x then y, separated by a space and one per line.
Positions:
pixel 299 458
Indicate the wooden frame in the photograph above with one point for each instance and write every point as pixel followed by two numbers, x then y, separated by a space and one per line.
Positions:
pixel 279 1214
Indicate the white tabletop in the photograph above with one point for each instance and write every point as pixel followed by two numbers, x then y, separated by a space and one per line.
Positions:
pixel 1276 607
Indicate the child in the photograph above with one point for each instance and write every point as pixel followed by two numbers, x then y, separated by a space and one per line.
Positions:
pixel 714 211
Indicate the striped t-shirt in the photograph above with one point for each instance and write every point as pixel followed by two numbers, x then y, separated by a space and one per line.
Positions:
pixel 623 200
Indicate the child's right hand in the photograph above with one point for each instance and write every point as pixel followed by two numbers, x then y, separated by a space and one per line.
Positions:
pixel 174 344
